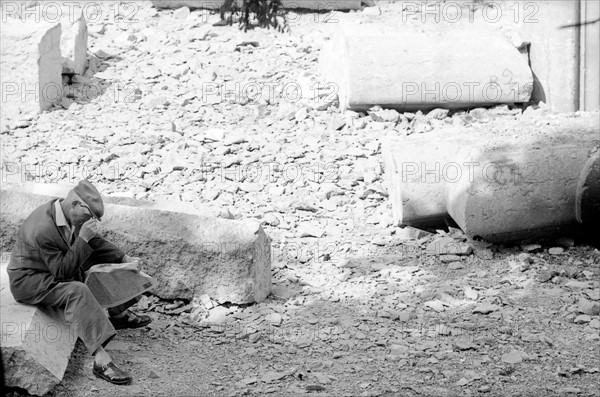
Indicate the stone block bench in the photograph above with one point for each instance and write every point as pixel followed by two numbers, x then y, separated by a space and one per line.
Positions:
pixel 35 346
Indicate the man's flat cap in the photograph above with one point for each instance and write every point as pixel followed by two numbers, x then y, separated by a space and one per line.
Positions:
pixel 90 196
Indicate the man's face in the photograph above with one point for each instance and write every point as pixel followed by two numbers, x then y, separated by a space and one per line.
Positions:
pixel 80 213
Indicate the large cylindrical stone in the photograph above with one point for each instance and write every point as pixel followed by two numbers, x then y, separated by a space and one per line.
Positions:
pixel 587 202
pixel 417 168
pixel 499 184
pixel 230 260
pixel 31 67
pixel 407 69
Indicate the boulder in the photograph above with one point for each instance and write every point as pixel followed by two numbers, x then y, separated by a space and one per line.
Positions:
pixel 229 260
pixel 35 347
pixel 410 69
pixel 31 67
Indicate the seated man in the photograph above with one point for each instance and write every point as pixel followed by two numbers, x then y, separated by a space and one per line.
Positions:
pixel 56 244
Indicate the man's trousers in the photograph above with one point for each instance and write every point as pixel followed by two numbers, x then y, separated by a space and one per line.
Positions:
pixel 77 305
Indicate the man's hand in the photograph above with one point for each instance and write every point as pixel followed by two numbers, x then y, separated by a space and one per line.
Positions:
pixel 89 230
pixel 133 259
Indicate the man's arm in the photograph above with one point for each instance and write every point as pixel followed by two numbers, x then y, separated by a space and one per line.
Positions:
pixel 105 251
pixel 63 266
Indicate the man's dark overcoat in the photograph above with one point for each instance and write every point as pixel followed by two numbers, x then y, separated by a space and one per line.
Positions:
pixel 42 256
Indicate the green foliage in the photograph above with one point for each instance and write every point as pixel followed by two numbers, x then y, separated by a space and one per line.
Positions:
pixel 251 13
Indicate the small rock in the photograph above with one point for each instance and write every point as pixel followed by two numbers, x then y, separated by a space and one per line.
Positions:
pixel 275 319
pixel 465 345
pixel 531 247
pixel 373 11
pixel 462 382
pixel 303 341
pixel 513 357
pixel 255 337
pixel 411 233
pixel 283 293
pixel 593 294
pixel 595 323
pixel 103 54
pixel 158 101
pixel 573 284
pixel 322 379
pixel 301 114
pixel 556 251
pixel 271 219
pixel 570 390
pixel 153 375
pixel 545 276
pixel 379 241
pixel 306 229
pixel 215 134
pixel 181 13
pixel 384 115
pixel 525 258
pixel 565 242
pixel 470 293
pixel 436 305
pixel 277 191
pixel 485 308
pixel 582 319
pixel 456 266
pixel 438 114
pixel 588 307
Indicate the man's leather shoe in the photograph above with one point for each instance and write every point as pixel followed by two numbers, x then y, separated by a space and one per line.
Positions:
pixel 130 320
pixel 111 373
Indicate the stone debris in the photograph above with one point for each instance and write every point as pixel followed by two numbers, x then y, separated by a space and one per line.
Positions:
pixel 512 357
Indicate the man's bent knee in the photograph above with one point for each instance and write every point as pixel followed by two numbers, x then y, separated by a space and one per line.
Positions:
pixel 77 289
